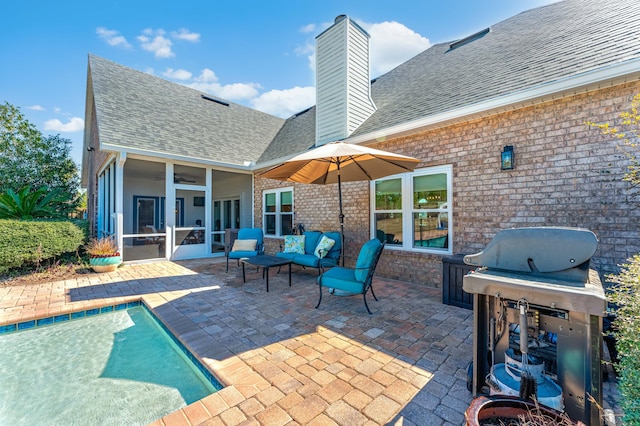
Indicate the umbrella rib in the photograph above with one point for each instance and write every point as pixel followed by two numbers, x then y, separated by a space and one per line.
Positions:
pixel 400 165
pixel 355 161
pixel 351 157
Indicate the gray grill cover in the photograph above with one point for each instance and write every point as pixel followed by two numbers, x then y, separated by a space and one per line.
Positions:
pixel 537 249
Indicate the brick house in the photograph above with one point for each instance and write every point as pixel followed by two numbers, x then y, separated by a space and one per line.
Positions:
pixel 529 83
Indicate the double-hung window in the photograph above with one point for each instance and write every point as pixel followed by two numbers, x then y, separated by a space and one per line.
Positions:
pixel 413 210
pixel 278 211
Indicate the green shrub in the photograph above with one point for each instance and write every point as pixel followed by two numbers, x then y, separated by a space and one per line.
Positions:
pixel 625 294
pixel 31 242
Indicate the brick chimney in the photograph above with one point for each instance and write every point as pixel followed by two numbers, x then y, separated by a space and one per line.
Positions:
pixel 343 86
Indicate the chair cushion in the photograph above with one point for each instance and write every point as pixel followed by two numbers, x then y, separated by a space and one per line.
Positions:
pixel 366 258
pixel 294 244
pixel 323 247
pixel 341 279
pixel 311 241
pixel 288 256
pixel 244 245
pixel 328 262
pixel 240 254
pixel 335 251
pixel 306 260
pixel 252 234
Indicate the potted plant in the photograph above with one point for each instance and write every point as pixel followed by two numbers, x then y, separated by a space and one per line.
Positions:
pixel 103 254
pixel 499 410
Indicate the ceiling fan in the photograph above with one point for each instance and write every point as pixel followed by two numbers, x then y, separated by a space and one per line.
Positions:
pixel 181 179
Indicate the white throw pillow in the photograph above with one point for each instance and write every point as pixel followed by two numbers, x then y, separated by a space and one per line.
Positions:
pixel 244 245
pixel 323 247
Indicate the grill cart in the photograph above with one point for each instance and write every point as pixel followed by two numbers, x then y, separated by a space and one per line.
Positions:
pixel 537 281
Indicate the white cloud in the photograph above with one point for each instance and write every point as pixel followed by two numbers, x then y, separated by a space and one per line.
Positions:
pixel 75 124
pixel 177 74
pixel 206 76
pixel 186 35
pixel 35 108
pixel 309 49
pixel 57 110
pixel 285 103
pixel 238 91
pixel 392 44
pixel 112 37
pixel 155 41
pixel 208 82
pixel 308 29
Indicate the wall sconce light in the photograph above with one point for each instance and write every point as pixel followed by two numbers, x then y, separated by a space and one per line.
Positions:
pixel 507 159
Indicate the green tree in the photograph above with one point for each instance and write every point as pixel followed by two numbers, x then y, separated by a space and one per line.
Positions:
pixel 29 159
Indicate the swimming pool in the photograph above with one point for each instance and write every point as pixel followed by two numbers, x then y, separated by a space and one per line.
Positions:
pixel 115 368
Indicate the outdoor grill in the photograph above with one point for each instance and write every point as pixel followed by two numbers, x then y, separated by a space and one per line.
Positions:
pixel 542 276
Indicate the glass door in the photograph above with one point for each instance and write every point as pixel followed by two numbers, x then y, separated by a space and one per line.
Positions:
pixel 189 235
pixel 226 214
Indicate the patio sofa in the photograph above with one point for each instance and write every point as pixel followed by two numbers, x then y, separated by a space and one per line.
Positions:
pixel 305 250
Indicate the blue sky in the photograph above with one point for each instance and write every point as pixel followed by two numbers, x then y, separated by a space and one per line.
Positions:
pixel 256 53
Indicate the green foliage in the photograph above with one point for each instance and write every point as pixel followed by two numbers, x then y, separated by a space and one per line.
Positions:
pixel 31 242
pixel 625 291
pixel 27 204
pixel 627 133
pixel 625 294
pixel 27 158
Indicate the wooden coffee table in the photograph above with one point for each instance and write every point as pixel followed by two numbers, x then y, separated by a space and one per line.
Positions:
pixel 265 262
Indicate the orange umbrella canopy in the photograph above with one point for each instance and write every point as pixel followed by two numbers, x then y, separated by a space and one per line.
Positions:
pixel 338 162
pixel 341 161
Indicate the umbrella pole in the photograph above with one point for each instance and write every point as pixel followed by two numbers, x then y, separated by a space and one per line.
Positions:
pixel 341 215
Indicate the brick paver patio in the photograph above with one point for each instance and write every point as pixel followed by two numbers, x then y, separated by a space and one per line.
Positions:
pixel 282 361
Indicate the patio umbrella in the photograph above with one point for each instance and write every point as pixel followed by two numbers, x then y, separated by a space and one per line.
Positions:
pixel 339 162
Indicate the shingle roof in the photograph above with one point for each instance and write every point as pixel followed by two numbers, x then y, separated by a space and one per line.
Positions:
pixel 536 47
pixel 143 112
pixel 533 48
pixel 297 135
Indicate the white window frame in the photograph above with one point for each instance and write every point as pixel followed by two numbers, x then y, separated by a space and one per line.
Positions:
pixel 278 213
pixel 408 210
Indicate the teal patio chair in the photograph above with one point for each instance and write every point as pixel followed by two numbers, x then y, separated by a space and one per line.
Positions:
pixel 243 247
pixel 352 281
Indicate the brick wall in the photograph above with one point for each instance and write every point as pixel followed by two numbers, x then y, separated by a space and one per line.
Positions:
pixel 565 175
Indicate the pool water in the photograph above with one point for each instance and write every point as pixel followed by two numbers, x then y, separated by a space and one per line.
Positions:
pixel 119 368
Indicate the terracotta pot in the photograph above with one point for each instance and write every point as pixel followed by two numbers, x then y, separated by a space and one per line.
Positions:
pixel 105 264
pixel 506 408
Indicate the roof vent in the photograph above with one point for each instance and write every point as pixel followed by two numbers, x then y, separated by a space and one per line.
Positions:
pixel 216 100
pixel 469 39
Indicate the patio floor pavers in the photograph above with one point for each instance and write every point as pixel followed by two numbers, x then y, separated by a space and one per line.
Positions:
pixel 282 361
